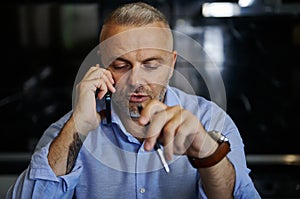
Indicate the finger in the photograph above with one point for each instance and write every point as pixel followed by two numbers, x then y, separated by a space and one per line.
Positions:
pixel 109 81
pixel 105 74
pixel 109 75
pixel 181 142
pixel 157 124
pixel 168 139
pixel 94 84
pixel 189 130
pixel 170 130
pixel 88 74
pixel 109 86
pixel 96 72
pixel 102 86
pixel 99 76
pixel 152 108
pixel 154 130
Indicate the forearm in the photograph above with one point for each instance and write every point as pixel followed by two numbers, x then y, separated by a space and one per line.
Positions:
pixel 218 181
pixel 64 149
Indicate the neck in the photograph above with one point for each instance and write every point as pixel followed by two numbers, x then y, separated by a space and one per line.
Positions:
pixel 132 126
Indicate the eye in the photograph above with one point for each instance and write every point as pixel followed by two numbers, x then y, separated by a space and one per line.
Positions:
pixel 151 66
pixel 120 66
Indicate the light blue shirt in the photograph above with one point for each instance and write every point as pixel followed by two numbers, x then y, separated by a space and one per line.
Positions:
pixel 113 164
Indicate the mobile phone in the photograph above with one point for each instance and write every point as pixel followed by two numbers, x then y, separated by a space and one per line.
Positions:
pixel 107 99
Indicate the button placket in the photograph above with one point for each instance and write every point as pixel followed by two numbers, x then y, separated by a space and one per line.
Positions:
pixel 140 176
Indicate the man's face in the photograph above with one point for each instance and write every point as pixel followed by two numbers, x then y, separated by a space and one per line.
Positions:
pixel 141 62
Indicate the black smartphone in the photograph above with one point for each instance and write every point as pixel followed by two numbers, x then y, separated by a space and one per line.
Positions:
pixel 107 98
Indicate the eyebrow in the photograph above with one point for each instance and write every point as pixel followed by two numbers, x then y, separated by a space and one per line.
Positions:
pixel 121 59
pixel 159 58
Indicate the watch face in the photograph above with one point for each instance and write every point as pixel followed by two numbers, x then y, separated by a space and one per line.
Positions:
pixel 217 136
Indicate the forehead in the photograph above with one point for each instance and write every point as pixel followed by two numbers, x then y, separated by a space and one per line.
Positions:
pixel 120 40
pixel 145 55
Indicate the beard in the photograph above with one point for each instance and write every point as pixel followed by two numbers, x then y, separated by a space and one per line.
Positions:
pixel 132 108
pixel 130 111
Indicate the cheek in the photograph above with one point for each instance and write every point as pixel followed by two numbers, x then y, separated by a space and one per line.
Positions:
pixel 160 82
pixel 157 89
pixel 158 78
pixel 116 77
pixel 120 84
pixel 121 80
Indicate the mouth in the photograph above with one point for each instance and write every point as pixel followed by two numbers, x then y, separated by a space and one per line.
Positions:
pixel 135 102
pixel 138 98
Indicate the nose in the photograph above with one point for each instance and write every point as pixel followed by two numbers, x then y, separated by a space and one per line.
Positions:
pixel 134 76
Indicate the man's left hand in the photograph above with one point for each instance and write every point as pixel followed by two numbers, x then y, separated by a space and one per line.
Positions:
pixel 177 129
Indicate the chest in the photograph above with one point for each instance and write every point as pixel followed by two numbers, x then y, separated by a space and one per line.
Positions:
pixel 132 175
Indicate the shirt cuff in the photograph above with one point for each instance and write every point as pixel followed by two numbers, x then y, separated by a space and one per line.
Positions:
pixel 41 170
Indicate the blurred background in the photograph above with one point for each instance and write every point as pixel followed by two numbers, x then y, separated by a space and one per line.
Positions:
pixel 254 43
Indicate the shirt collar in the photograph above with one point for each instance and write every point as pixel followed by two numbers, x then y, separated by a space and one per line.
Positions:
pixel 171 99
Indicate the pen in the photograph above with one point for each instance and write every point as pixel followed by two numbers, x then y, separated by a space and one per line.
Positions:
pixel 158 149
pixel 161 157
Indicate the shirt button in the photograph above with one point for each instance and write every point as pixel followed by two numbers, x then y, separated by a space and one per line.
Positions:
pixel 142 190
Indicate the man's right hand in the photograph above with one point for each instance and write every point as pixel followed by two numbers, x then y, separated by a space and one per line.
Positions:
pixel 85 115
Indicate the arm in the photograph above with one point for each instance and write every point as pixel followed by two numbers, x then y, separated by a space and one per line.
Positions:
pixel 57 151
pixel 65 148
pixel 182 133
pixel 218 180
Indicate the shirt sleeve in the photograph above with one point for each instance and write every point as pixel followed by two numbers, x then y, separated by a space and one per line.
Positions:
pixel 244 187
pixel 39 180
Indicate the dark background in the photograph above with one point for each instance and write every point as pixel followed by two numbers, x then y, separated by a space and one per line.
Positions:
pixel 44 43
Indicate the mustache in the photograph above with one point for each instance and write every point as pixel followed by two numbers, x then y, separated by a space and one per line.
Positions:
pixel 144 90
pixel 140 89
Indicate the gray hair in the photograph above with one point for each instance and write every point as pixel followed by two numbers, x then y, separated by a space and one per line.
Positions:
pixel 136 14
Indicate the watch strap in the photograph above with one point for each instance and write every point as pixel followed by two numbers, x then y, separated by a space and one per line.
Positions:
pixel 213 159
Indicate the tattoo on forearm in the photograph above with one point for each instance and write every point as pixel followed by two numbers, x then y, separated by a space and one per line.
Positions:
pixel 74 148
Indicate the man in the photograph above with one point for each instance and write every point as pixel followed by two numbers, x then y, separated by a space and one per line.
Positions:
pixel 84 156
